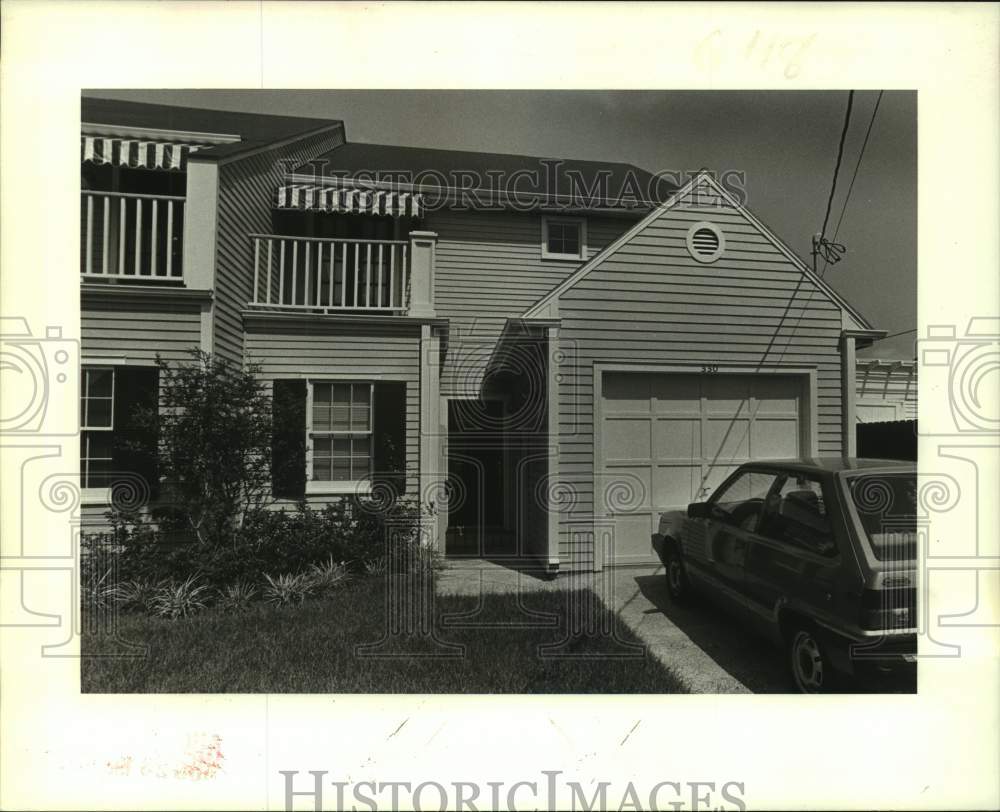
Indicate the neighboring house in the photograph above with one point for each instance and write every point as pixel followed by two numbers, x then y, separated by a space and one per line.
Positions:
pixel 886 399
pixel 549 372
pixel 886 383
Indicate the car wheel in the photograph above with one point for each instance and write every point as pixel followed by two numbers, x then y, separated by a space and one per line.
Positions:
pixel 808 662
pixel 678 584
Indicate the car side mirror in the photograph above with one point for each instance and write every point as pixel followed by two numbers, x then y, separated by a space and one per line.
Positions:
pixel 699 510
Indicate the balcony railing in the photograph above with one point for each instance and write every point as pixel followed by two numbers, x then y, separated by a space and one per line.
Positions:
pixel 131 237
pixel 330 274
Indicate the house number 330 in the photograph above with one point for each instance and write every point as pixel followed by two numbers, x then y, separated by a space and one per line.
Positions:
pixel 709 367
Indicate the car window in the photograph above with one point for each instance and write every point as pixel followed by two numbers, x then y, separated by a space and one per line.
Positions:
pixel 796 513
pixel 741 499
pixel 886 505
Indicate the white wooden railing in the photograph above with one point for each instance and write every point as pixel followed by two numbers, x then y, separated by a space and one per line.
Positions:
pixel 330 274
pixel 128 236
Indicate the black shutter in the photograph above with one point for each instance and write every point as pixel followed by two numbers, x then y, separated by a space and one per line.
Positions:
pixel 389 426
pixel 134 451
pixel 288 439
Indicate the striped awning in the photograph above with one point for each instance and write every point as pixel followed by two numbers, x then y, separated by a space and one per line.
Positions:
pixel 350 201
pixel 136 154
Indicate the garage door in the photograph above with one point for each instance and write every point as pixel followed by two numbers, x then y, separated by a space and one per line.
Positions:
pixel 670 439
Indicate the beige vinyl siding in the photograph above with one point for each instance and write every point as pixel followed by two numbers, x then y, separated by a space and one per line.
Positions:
pixel 650 302
pixel 137 331
pixel 365 352
pixel 488 267
pixel 885 384
pixel 247 189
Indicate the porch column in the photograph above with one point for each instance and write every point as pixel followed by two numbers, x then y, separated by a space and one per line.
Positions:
pixel 432 473
pixel 848 376
pixel 552 409
pixel 201 208
pixel 422 244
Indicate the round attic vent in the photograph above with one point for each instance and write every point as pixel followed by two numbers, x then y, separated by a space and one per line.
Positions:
pixel 705 242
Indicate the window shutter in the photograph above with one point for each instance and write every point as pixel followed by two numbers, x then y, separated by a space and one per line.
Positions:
pixel 389 425
pixel 288 439
pixel 135 427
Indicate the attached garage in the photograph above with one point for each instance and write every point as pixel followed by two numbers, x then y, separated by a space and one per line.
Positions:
pixel 693 343
pixel 666 439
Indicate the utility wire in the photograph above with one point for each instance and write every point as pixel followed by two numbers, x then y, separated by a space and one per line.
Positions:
pixel 831 251
pixel 857 166
pixel 854 177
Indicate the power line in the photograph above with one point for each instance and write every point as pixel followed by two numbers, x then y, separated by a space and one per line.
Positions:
pixel 854 177
pixel 830 250
pixel 857 166
pixel 840 157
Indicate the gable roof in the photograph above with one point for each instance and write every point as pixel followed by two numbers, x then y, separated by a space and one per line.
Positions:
pixel 539 309
pixel 254 129
pixel 364 161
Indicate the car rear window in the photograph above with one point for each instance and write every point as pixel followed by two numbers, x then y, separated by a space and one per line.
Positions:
pixel 886 505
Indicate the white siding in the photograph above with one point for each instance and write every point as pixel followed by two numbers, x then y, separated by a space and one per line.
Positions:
pixel 651 302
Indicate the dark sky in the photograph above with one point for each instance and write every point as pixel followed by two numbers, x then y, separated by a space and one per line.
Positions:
pixel 784 141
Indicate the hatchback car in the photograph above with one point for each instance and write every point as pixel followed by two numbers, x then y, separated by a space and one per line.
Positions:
pixel 819 555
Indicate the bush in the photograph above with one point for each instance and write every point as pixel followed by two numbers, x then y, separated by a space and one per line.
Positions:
pixel 286 590
pixel 324 577
pixel 237 597
pixel 174 600
pixel 275 542
pixel 145 565
pixel 136 596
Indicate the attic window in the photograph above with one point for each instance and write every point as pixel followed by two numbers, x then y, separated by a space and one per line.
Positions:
pixel 564 238
pixel 705 242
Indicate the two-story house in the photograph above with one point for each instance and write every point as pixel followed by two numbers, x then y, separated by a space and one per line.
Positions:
pixel 549 353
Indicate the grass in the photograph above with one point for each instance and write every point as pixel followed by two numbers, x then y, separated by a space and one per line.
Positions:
pixel 313 648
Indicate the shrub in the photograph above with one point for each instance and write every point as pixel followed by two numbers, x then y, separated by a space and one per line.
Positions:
pixel 214 424
pixel 96 589
pixel 136 596
pixel 286 590
pixel 326 576
pixel 180 599
pixel 237 597
pixel 373 541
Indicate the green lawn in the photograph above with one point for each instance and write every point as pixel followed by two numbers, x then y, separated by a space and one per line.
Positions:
pixel 474 646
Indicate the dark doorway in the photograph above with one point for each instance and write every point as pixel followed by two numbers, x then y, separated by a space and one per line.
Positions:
pixel 479 515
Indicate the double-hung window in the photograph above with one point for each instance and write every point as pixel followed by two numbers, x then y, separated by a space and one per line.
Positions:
pixel 339 435
pixel 97 424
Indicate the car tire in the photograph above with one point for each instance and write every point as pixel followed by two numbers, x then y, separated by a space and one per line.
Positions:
pixel 678 585
pixel 808 661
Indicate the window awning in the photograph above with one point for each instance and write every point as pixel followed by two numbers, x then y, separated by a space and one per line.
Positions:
pixel 136 154
pixel 350 201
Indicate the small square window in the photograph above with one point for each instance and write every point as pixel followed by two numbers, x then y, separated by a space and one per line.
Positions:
pixel 564 238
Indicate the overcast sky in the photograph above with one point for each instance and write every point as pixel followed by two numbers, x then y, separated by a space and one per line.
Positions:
pixel 785 142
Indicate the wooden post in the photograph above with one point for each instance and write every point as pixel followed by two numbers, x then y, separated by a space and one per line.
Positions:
pixel 422 248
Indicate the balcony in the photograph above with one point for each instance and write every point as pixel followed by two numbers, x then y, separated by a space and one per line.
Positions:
pixel 330 275
pixel 131 237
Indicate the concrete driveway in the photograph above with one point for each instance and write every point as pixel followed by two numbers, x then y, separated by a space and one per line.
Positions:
pixel 701 645
pixel 705 647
